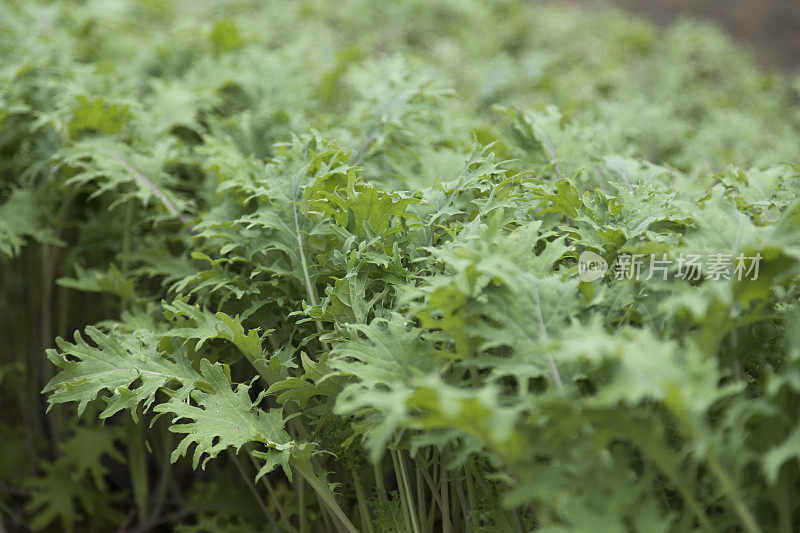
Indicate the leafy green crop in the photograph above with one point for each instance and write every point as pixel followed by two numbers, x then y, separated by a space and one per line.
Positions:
pixel 320 265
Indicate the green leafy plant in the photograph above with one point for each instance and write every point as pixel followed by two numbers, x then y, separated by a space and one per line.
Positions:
pixel 329 278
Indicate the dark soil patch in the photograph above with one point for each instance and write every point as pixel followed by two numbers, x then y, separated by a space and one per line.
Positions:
pixel 771 28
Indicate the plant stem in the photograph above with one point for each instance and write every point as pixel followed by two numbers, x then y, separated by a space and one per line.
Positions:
pixel 548 144
pixel 253 491
pixel 306 471
pixel 464 507
pixel 444 497
pixel 366 522
pixel 432 506
pixel 543 332
pixel 326 519
pixel 407 520
pixel 49 269
pixel 785 504
pixel 312 293
pixel 470 489
pixel 271 491
pixel 126 238
pixel 748 521
pixel 427 477
pixel 152 186
pixel 378 476
pixel 137 467
pixel 301 502
pixel 414 513
pixel 157 495
pixel 420 499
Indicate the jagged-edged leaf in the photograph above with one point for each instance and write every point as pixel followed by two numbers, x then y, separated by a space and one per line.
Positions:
pixel 112 281
pixel 386 352
pixel 21 219
pixel 129 369
pixel 207 326
pixel 74 486
pixel 59 495
pixel 222 417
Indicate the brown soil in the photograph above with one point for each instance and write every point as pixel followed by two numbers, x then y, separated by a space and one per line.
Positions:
pixel 771 28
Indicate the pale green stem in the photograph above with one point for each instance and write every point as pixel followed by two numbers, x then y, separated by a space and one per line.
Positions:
pixel 470 489
pixel 748 520
pixel 301 501
pixel 462 500
pixel 543 331
pixel 271 491
pixel 312 293
pixel 324 492
pixel 152 186
pixel 444 496
pixel 420 499
pixel 362 502
pixel 408 518
pixel 427 477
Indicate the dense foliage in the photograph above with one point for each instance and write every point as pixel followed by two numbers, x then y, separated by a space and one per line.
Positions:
pixel 321 262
